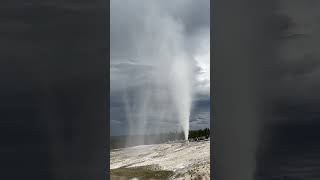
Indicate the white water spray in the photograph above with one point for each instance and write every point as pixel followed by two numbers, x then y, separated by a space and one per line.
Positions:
pixel 181 89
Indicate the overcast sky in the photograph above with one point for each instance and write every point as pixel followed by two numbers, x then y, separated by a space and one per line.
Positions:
pixel 151 24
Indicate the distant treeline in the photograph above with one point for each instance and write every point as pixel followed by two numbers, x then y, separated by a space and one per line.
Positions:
pixel 134 140
pixel 199 133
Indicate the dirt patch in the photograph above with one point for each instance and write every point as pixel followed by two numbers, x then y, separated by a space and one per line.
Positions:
pixel 142 172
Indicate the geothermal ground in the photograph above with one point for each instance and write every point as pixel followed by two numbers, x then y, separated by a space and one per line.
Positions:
pixel 177 160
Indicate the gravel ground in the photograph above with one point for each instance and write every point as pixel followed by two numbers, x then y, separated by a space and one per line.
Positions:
pixel 188 160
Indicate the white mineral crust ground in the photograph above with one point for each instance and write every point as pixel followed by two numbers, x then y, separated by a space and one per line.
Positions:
pixel 188 160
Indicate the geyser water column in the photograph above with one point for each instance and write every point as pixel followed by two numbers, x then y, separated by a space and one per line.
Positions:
pixel 181 91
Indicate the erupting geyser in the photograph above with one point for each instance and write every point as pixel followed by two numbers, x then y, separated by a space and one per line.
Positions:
pixel 158 95
pixel 181 89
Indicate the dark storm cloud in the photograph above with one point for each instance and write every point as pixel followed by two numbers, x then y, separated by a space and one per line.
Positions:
pixel 200 113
